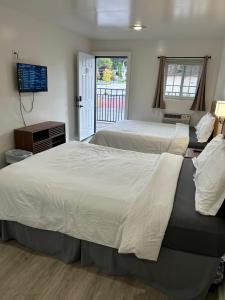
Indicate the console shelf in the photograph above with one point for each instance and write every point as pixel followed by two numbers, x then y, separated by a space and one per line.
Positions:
pixel 40 137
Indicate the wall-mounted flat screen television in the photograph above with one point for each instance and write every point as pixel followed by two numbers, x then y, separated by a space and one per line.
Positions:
pixel 32 78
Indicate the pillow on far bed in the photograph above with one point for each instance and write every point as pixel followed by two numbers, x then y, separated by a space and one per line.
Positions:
pixel 205 128
pixel 202 120
pixel 210 177
pixel 208 151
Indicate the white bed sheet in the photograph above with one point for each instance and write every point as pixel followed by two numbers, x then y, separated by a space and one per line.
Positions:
pixel 87 191
pixel 147 137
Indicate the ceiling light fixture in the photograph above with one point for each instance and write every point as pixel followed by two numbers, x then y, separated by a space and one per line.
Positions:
pixel 138 27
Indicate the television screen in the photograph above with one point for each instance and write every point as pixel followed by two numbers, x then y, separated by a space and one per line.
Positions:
pixel 32 78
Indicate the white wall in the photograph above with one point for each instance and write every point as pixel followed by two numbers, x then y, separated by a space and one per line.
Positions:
pixel 41 43
pixel 144 70
pixel 44 44
pixel 220 88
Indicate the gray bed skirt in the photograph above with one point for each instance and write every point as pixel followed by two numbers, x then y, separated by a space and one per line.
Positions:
pixel 181 275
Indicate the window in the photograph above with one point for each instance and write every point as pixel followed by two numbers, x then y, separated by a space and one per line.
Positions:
pixel 181 79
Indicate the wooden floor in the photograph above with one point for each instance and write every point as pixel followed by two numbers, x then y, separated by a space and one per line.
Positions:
pixel 27 275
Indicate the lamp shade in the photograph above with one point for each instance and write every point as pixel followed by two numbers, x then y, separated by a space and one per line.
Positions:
pixel 220 109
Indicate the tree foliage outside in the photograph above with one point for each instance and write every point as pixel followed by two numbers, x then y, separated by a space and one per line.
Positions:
pixel 107 75
pixel 98 76
pixel 120 65
pixel 107 61
pixel 111 69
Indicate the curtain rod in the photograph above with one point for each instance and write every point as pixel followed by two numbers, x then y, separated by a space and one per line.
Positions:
pixel 186 57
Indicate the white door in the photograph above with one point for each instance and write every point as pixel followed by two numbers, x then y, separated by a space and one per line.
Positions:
pixel 85 102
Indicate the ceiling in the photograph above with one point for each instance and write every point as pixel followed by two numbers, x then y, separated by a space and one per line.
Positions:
pixel 110 19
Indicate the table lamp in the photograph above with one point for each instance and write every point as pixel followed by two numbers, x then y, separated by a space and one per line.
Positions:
pixel 220 114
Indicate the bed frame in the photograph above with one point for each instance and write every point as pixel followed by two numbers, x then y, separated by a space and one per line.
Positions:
pixel 179 274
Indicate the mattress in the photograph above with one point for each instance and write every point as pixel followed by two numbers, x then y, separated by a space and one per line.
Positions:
pixel 94 193
pixel 147 137
pixel 188 230
pixel 193 141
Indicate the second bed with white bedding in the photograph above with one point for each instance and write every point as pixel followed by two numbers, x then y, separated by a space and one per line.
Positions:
pixel 147 137
pixel 94 193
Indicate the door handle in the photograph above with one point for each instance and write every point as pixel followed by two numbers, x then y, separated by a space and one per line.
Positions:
pixel 78 99
pixel 79 106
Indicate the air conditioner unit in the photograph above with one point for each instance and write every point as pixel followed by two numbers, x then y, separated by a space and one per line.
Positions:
pixel 174 118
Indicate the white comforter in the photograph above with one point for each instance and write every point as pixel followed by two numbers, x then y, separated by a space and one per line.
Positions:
pixel 148 137
pixel 112 197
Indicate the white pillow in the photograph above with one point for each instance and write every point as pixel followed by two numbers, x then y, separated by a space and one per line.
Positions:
pixel 209 150
pixel 206 129
pixel 202 120
pixel 210 179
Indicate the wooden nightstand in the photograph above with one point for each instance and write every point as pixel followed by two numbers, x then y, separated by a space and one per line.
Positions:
pixel 40 137
pixel 192 152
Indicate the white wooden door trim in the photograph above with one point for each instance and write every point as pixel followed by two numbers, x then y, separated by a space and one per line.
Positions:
pixel 83 135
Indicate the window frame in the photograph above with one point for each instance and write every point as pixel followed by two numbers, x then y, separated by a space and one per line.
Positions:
pixel 185 63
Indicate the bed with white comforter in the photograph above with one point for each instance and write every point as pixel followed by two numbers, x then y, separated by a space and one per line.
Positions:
pixel 121 199
pixel 147 137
